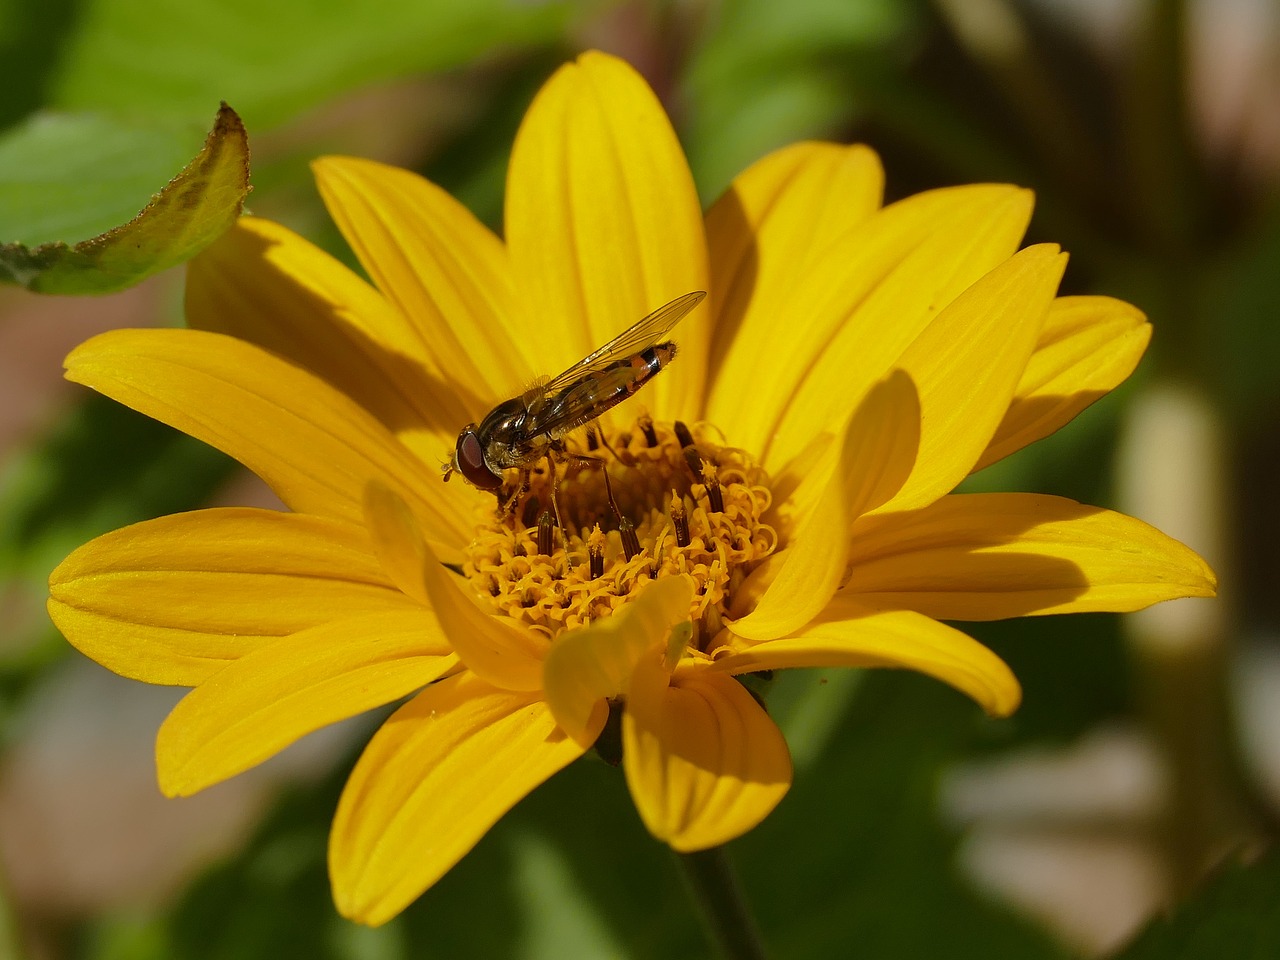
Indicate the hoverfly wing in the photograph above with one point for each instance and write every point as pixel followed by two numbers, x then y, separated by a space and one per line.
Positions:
pixel 640 336
pixel 583 400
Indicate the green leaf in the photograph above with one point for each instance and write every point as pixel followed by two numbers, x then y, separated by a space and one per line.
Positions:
pixel 1236 915
pixel 192 211
pixel 276 59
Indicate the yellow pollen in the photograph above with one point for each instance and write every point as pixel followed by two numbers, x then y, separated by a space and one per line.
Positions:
pixel 704 521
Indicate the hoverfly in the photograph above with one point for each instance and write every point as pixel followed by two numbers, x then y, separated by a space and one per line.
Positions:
pixel 520 431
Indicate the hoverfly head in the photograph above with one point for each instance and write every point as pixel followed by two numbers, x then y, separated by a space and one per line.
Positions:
pixel 468 460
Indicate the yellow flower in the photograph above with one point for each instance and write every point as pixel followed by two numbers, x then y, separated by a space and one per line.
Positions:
pixel 783 492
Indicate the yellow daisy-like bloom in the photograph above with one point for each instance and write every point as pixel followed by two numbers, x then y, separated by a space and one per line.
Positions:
pixel 783 498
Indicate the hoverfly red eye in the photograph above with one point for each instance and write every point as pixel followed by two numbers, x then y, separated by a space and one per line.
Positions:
pixel 468 460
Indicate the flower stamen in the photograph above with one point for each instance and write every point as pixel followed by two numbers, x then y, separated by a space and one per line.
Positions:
pixel 682 504
pixel 546 533
pixel 680 519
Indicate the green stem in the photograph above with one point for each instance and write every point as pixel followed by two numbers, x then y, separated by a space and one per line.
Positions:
pixel 714 886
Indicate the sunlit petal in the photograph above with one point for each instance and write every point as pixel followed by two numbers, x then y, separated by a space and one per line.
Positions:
pixel 1087 347
pixel 443 268
pixel 966 364
pixel 586 666
pixel 877 456
pixel 258 705
pixel 264 284
pixel 777 219
pixel 991 556
pixel 174 600
pixel 432 781
pixel 849 633
pixel 603 223
pixel 497 649
pixel 313 445
pixel 851 316
pixel 703 760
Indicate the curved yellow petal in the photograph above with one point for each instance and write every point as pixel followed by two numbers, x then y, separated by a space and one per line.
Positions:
pixel 495 648
pixel 269 698
pixel 1088 347
pixel 585 667
pixel 438 774
pixel 966 364
pixel 312 445
pixel 603 223
pixel 263 283
pixel 776 220
pixel 174 600
pixel 443 268
pixel 992 556
pixel 704 762
pixel 849 633
pixel 851 316
pixel 877 456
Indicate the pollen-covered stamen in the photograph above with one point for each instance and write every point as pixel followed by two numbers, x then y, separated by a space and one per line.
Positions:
pixel 693 460
pixel 680 520
pixel 683 434
pixel 650 517
pixel 630 542
pixel 546 533
pixel 711 480
pixel 531 511
pixel 647 428
pixel 595 552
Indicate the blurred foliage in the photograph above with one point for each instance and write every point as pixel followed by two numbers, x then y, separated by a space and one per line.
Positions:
pixel 104 467
pixel 1237 915
pixel 104 99
pixel 274 60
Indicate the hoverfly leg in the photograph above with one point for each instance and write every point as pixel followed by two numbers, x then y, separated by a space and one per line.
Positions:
pixel 507 505
pixel 605 443
pixel 555 500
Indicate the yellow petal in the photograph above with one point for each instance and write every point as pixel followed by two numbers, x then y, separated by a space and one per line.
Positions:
pixel 992 556
pixel 603 223
pixel 776 220
pixel 273 696
pixel 495 648
pixel 263 283
pixel 878 453
pixel 174 600
pixel 1087 348
pixel 443 268
pixel 850 633
pixel 584 667
pixel 314 446
pixel 441 771
pixel 966 365
pixel 704 762
pixel 852 314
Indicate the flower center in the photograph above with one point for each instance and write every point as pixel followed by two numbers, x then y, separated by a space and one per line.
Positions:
pixel 651 500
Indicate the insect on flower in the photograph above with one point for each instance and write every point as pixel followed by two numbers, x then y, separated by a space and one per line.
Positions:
pixel 520 431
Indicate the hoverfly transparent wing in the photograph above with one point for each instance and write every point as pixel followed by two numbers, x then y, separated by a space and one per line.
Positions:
pixel 640 336
pixel 606 377
pixel 586 399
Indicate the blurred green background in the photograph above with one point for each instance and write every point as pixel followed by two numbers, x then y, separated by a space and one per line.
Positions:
pixel 1142 772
